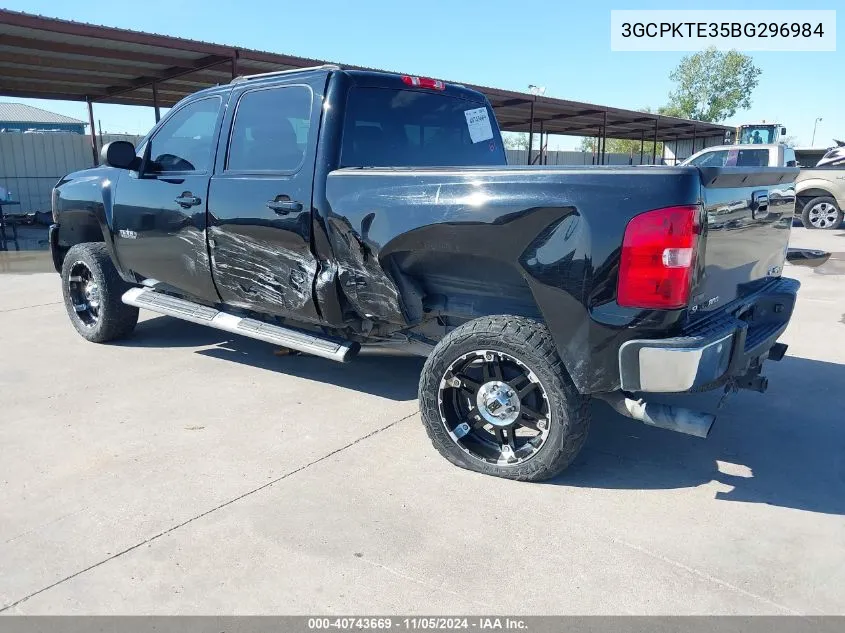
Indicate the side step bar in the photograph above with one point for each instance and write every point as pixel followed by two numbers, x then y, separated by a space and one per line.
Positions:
pixel 333 349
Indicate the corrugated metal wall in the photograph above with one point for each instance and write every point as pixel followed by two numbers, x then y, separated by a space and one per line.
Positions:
pixel 30 164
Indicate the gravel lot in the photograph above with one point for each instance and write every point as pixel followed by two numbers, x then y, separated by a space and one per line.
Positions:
pixel 190 471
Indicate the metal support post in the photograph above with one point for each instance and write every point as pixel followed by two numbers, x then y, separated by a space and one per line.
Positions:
pixel 654 147
pixel 604 139
pixel 642 146
pixel 94 152
pixel 531 134
pixel 155 102
pixel 542 146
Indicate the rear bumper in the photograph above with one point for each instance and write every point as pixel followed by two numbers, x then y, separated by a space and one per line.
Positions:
pixel 714 350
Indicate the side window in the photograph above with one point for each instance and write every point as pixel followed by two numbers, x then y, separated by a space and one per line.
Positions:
pixel 711 159
pixel 753 158
pixel 184 142
pixel 271 128
pixel 789 157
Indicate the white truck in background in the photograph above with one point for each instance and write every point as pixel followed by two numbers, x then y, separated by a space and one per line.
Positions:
pixel 819 191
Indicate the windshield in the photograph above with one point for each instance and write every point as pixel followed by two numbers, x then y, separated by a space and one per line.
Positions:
pixel 398 128
pixel 758 134
pixel 734 157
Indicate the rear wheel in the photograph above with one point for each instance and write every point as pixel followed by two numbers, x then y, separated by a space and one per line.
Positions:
pixel 495 398
pixel 822 213
pixel 92 291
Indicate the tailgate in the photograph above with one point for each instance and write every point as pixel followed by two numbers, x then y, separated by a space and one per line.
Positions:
pixel 749 216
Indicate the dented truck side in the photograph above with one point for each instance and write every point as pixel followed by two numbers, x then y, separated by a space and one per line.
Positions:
pixel 381 212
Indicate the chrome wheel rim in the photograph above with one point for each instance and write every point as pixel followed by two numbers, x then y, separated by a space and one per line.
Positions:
pixel 494 407
pixel 84 294
pixel 823 215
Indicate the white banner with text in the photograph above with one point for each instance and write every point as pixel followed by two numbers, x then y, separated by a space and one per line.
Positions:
pixel 694 30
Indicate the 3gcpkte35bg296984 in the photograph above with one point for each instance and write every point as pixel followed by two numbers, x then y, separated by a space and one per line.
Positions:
pixel 722 29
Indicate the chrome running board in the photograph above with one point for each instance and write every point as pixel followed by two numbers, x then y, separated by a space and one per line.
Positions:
pixel 333 349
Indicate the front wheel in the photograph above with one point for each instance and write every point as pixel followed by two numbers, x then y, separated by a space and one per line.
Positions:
pixel 822 213
pixel 92 291
pixel 495 398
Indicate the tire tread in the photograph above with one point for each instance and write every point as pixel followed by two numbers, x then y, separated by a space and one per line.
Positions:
pixel 533 341
pixel 116 319
pixel 805 213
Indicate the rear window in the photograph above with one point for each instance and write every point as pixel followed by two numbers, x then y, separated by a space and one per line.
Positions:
pixel 397 128
pixel 733 158
pixel 789 157
pixel 752 158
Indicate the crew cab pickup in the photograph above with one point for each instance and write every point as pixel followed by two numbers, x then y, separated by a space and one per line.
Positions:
pixel 325 209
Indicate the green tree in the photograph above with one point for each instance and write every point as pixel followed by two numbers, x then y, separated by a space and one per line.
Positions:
pixel 712 85
pixel 515 140
pixel 630 147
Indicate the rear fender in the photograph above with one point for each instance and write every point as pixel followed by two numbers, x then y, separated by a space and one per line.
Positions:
pixel 535 264
pixel 376 279
pixel 810 188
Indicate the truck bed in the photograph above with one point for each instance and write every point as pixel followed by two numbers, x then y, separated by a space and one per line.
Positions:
pixel 549 237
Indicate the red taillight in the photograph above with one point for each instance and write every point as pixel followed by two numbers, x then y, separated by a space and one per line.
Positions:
pixel 658 258
pixel 424 82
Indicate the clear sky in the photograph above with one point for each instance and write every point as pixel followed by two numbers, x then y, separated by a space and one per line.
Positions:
pixel 562 45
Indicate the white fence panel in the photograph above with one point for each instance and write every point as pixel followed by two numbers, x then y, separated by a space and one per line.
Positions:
pixel 574 157
pixel 31 164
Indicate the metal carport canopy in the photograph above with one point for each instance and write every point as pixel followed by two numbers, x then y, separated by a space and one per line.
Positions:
pixel 48 58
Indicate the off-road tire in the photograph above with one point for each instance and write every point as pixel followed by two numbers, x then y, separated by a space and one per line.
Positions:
pixel 116 319
pixel 805 214
pixel 531 342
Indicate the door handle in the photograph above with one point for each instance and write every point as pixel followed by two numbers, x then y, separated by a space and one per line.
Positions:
pixel 759 202
pixel 285 205
pixel 187 200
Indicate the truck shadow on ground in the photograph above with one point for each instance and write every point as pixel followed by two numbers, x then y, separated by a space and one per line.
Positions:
pixel 392 377
pixel 783 448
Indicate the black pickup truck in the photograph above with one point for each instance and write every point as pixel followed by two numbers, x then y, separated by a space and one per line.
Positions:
pixel 325 209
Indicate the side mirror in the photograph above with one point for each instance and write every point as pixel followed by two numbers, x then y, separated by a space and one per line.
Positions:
pixel 783 131
pixel 120 154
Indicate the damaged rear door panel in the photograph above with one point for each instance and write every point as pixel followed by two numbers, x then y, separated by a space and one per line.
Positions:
pixel 259 233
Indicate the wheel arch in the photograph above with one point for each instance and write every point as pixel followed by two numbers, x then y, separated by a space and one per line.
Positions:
pixel 805 195
pixel 541 272
pixel 82 211
pixel 814 187
pixel 459 285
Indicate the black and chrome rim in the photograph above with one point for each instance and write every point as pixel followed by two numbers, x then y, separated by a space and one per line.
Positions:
pixel 494 407
pixel 823 215
pixel 84 294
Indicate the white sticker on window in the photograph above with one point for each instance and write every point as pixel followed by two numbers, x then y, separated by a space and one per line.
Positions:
pixel 479 125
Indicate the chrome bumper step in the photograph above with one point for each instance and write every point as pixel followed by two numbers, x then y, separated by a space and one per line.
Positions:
pixel 306 342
